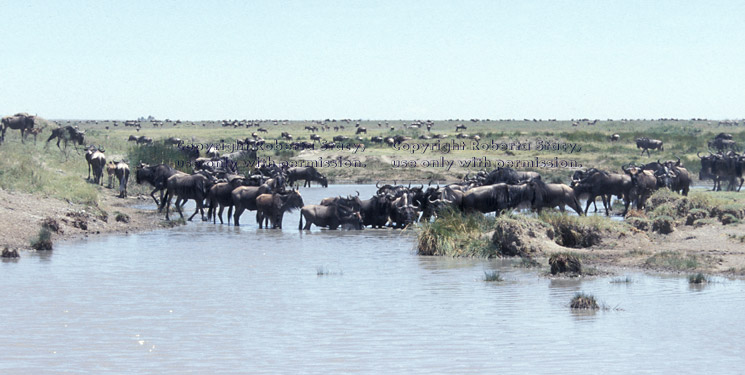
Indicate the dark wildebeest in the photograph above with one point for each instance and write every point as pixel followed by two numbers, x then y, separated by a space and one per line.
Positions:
pixel 460 127
pixel 331 216
pixel 185 187
pixel 306 173
pixel 615 138
pixel 723 141
pixel 509 176
pixel 603 184
pixel 220 195
pixel 580 175
pixel 19 121
pixel 144 140
pixel 97 165
pixel 157 176
pixel 644 184
pixel 497 197
pixel 361 130
pixel 375 210
pixel 722 167
pixel 35 132
pixel 272 207
pixel 122 174
pixel 646 144
pixel 89 151
pixel 552 195
pixel 244 198
pixel 402 211
pixel 68 133
pixel 173 141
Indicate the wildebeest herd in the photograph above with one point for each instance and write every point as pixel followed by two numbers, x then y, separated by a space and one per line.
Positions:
pixel 269 192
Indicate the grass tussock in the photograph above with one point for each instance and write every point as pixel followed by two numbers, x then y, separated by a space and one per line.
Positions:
pixel 697 209
pixel 673 261
pixel 584 301
pixel 43 240
pixel 698 278
pixel 121 217
pixel 491 276
pixel 9 253
pixel 568 263
pixel 456 235
pixel 622 280
pixel 580 231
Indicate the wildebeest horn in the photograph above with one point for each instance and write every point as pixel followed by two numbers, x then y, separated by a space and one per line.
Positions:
pixel 409 185
pixel 658 161
pixel 376 184
pixel 421 186
pixel 699 154
pixel 466 178
pixel 430 183
pixel 358 193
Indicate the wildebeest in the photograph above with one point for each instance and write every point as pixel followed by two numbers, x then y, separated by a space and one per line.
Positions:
pixel 361 130
pixel 157 176
pixel 553 195
pixel 603 184
pixel 67 133
pixel 615 138
pixel 220 195
pixel 375 211
pixel 402 211
pixel 510 176
pixel 173 141
pixel 722 167
pixel 644 184
pixel 35 132
pixel 460 127
pixel 97 165
pixel 331 216
pixel 497 197
pixel 185 187
pixel 19 121
pixel 122 174
pixel 110 172
pixel 244 198
pixel 723 141
pixel 646 144
pixel 272 207
pixel 306 173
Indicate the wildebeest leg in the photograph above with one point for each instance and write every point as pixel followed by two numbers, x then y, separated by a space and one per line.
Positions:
pixel 574 204
pixel 230 211
pixel 198 209
pixel 237 214
pixel 152 194
pixel 219 213
pixel 259 219
pixel 590 199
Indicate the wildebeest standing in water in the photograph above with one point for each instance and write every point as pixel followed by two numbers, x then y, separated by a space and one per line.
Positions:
pixel 68 133
pixel 157 176
pixel 19 121
pixel 272 207
pixel 186 187
pixel 331 216
pixel 552 195
pixel 244 198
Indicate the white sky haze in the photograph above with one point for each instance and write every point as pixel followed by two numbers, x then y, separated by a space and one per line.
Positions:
pixel 209 60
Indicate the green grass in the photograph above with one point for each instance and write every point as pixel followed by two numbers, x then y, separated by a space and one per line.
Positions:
pixel 43 240
pixel 456 235
pixel 673 261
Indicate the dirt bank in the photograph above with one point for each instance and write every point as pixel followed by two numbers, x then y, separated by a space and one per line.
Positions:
pixel 21 216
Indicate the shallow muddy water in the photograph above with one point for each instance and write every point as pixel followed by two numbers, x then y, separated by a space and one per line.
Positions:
pixel 207 298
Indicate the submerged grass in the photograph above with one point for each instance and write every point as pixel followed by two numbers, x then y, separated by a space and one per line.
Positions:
pixel 456 234
pixel 698 278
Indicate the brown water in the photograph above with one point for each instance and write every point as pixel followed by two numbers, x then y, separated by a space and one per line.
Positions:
pixel 218 299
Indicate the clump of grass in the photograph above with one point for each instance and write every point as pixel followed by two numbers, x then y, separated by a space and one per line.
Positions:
pixel 622 280
pixel 43 240
pixel 565 263
pixel 663 224
pixel 492 276
pixel 457 235
pixel 580 231
pixel 673 260
pixel 323 271
pixel 698 278
pixel 51 224
pixel 7 253
pixel 173 223
pixel 527 262
pixel 121 217
pixel 584 301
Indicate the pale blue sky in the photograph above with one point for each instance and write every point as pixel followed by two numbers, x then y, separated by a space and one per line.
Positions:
pixel 373 59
